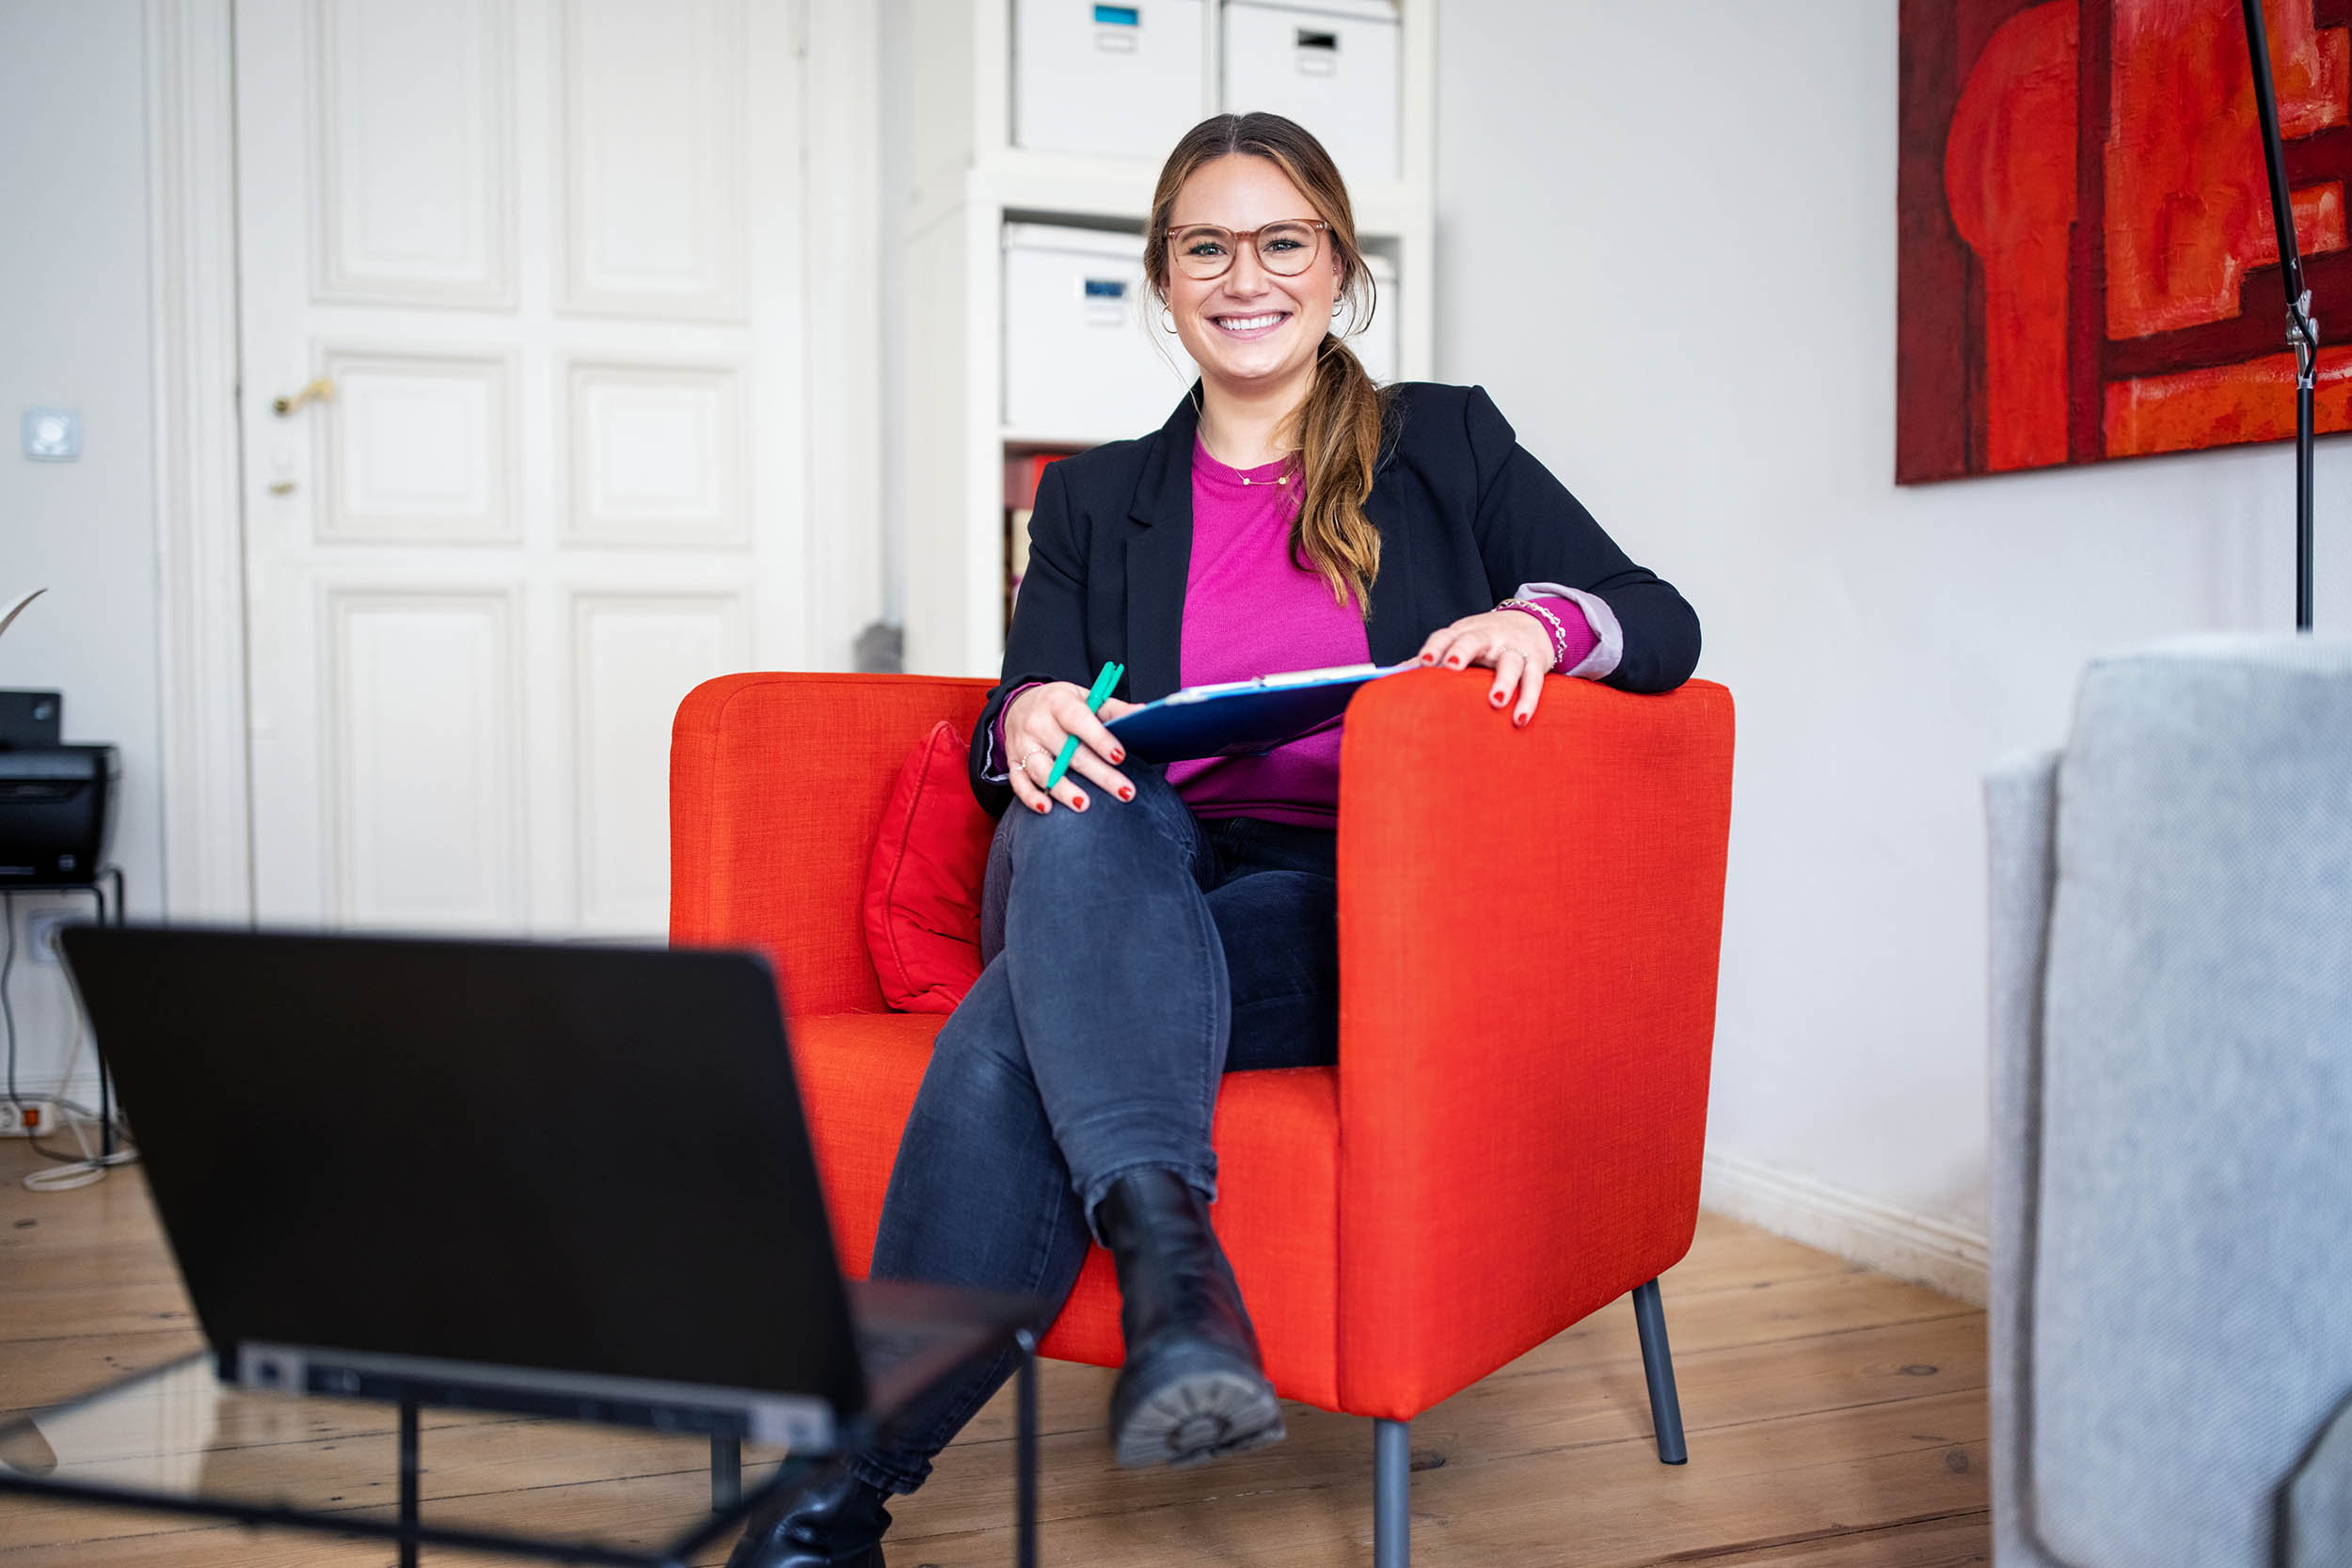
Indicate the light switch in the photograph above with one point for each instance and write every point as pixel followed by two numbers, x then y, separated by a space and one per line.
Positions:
pixel 52 435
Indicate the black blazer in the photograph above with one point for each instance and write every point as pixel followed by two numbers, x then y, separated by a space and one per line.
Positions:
pixel 1466 516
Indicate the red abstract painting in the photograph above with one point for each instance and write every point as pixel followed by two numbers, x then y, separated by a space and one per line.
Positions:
pixel 2088 265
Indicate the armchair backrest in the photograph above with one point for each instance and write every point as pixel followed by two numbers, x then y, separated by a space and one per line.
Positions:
pixel 777 784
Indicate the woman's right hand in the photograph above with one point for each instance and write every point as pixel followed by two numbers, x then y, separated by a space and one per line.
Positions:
pixel 1038 721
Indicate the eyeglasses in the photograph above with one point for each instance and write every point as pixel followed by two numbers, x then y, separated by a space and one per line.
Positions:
pixel 1203 252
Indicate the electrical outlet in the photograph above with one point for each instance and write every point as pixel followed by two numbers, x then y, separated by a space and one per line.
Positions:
pixel 27 1118
pixel 43 928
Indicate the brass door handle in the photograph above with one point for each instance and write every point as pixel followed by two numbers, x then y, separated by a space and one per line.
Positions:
pixel 282 487
pixel 321 390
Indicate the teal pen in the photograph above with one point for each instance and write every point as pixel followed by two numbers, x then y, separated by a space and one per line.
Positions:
pixel 1102 684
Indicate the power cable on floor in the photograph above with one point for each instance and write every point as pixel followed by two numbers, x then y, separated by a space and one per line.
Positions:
pixel 70 1170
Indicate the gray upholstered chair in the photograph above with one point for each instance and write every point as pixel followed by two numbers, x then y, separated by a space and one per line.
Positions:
pixel 2171 947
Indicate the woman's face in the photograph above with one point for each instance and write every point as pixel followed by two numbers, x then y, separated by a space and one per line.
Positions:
pixel 1250 328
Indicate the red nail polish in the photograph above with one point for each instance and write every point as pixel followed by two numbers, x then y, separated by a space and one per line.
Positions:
pixel 1495 700
pixel 1127 794
pixel 1077 802
pixel 1518 721
pixel 1119 756
pixel 1040 808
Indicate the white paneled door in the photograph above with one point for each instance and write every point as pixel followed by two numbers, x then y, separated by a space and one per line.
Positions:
pixel 536 263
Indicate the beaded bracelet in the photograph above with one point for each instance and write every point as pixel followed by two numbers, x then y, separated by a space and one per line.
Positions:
pixel 1557 633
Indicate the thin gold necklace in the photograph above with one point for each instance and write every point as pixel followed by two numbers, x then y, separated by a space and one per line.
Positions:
pixel 1279 479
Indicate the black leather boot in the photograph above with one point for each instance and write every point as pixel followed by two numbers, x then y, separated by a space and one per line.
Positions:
pixel 835 1521
pixel 1193 1388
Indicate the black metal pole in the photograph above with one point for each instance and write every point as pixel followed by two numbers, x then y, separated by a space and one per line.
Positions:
pixel 726 1473
pixel 2302 332
pixel 2304 442
pixel 105 1081
pixel 408 1468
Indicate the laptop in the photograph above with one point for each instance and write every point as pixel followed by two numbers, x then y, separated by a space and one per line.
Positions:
pixel 549 1179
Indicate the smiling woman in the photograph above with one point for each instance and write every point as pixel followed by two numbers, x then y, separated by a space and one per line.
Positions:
pixel 1168 926
pixel 1256 316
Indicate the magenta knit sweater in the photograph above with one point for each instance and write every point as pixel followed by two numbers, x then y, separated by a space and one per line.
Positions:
pixel 1250 610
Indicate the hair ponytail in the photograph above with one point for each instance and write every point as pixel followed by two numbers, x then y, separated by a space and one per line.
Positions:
pixel 1338 436
pixel 1336 432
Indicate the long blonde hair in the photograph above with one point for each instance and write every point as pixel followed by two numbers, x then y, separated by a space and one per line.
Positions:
pixel 1335 432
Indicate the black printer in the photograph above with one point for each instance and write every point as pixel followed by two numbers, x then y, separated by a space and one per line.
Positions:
pixel 56 801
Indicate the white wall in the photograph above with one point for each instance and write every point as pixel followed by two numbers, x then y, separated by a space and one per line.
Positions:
pixel 73 332
pixel 1666 238
pixel 897 195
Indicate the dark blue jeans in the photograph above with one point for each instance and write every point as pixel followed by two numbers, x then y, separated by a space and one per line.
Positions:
pixel 1133 955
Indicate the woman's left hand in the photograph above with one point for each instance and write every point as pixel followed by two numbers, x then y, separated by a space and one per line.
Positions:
pixel 1511 643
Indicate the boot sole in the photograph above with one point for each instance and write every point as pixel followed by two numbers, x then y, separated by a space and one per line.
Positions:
pixel 1197 1416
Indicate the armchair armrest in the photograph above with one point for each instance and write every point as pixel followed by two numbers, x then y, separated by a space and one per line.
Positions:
pixel 777 784
pixel 1529 925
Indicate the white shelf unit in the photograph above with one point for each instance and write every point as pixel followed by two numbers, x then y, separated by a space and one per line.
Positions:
pixel 967 180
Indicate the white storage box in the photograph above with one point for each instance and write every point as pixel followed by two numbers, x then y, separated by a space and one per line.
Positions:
pixel 1111 81
pixel 1080 363
pixel 1330 65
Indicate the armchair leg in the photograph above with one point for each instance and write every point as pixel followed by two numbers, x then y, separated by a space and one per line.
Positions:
pixel 1391 1516
pixel 1658 1364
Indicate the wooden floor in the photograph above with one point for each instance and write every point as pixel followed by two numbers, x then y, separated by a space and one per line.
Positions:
pixel 1835 1417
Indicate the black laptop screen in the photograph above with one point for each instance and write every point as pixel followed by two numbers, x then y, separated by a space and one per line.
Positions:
pixel 564 1157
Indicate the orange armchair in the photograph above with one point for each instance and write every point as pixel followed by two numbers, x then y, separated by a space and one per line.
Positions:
pixel 1528 925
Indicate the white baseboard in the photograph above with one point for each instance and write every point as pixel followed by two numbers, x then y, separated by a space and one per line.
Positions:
pixel 1938 1252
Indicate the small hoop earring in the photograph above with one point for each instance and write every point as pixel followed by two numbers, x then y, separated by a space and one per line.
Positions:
pixel 1168 321
pixel 1338 306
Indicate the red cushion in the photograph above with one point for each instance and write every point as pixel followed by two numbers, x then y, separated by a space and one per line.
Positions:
pixel 923 885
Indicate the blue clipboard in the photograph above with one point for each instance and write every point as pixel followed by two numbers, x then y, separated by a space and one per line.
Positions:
pixel 1245 718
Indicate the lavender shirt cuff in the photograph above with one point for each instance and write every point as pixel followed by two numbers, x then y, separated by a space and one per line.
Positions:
pixel 992 768
pixel 1609 637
